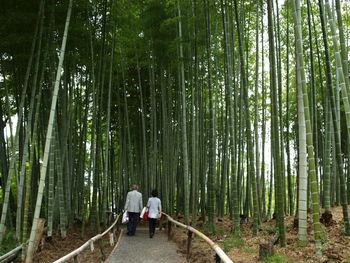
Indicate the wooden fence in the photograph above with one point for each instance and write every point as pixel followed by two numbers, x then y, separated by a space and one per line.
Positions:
pixel 220 254
pixel 219 257
pixel 9 256
pixel 90 243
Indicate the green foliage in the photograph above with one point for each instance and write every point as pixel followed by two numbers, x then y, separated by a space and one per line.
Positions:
pixel 269 229
pixel 211 229
pixel 219 230
pixel 232 242
pixel 250 250
pixel 208 228
pixel 277 258
pixel 147 32
pixel 8 243
pixel 324 236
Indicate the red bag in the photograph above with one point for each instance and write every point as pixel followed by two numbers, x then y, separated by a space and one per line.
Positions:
pixel 145 215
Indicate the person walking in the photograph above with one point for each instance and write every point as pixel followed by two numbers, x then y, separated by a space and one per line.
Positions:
pixel 154 211
pixel 133 206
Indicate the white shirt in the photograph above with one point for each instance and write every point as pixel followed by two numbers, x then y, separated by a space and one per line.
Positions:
pixel 154 206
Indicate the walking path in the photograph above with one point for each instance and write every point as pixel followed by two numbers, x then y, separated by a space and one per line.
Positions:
pixel 143 249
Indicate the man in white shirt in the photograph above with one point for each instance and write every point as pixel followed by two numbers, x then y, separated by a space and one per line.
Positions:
pixel 134 206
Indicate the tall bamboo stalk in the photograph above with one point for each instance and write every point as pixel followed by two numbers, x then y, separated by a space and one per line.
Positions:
pixel 183 121
pixel 309 134
pixel 31 246
pixel 12 166
pixel 277 169
pixel 345 99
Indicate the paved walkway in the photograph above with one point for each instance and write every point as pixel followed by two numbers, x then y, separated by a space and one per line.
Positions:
pixel 141 248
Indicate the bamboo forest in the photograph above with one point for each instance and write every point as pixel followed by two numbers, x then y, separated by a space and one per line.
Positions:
pixel 236 111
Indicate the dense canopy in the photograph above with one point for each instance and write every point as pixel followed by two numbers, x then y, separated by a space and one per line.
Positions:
pixel 227 107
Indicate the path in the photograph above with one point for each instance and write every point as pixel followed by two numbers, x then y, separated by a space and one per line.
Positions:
pixel 142 249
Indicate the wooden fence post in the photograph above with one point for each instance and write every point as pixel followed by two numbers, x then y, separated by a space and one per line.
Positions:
pixel 189 244
pixel 169 230
pixel 111 238
pixel 117 226
pixel 217 258
pixel 117 229
pixel 76 259
pixel 100 244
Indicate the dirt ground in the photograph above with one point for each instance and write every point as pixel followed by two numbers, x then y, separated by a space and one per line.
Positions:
pixel 57 247
pixel 336 246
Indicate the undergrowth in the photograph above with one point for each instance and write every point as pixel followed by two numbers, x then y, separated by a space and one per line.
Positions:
pixel 232 242
pixel 211 229
pixel 8 243
pixel 277 258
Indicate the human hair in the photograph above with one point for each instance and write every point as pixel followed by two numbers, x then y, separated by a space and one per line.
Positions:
pixel 135 186
pixel 154 193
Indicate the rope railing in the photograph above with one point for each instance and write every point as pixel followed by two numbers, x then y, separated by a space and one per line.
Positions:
pixel 90 243
pixel 220 254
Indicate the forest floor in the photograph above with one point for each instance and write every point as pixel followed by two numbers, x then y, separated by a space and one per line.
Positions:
pixel 57 247
pixel 336 246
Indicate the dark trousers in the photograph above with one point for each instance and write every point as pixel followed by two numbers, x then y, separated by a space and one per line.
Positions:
pixel 152 225
pixel 133 220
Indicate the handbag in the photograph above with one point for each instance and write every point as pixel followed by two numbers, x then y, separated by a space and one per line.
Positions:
pixel 125 217
pixel 143 212
pixel 145 215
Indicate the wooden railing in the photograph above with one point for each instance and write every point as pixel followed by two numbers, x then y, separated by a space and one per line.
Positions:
pixel 90 243
pixel 219 257
pixel 220 254
pixel 9 256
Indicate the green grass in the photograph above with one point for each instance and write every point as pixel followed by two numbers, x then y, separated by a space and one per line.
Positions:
pixel 232 242
pixel 8 243
pixel 277 258
pixel 250 250
pixel 219 230
pixel 324 236
pixel 209 229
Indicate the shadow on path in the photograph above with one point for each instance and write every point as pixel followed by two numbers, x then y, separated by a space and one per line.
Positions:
pixel 142 248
